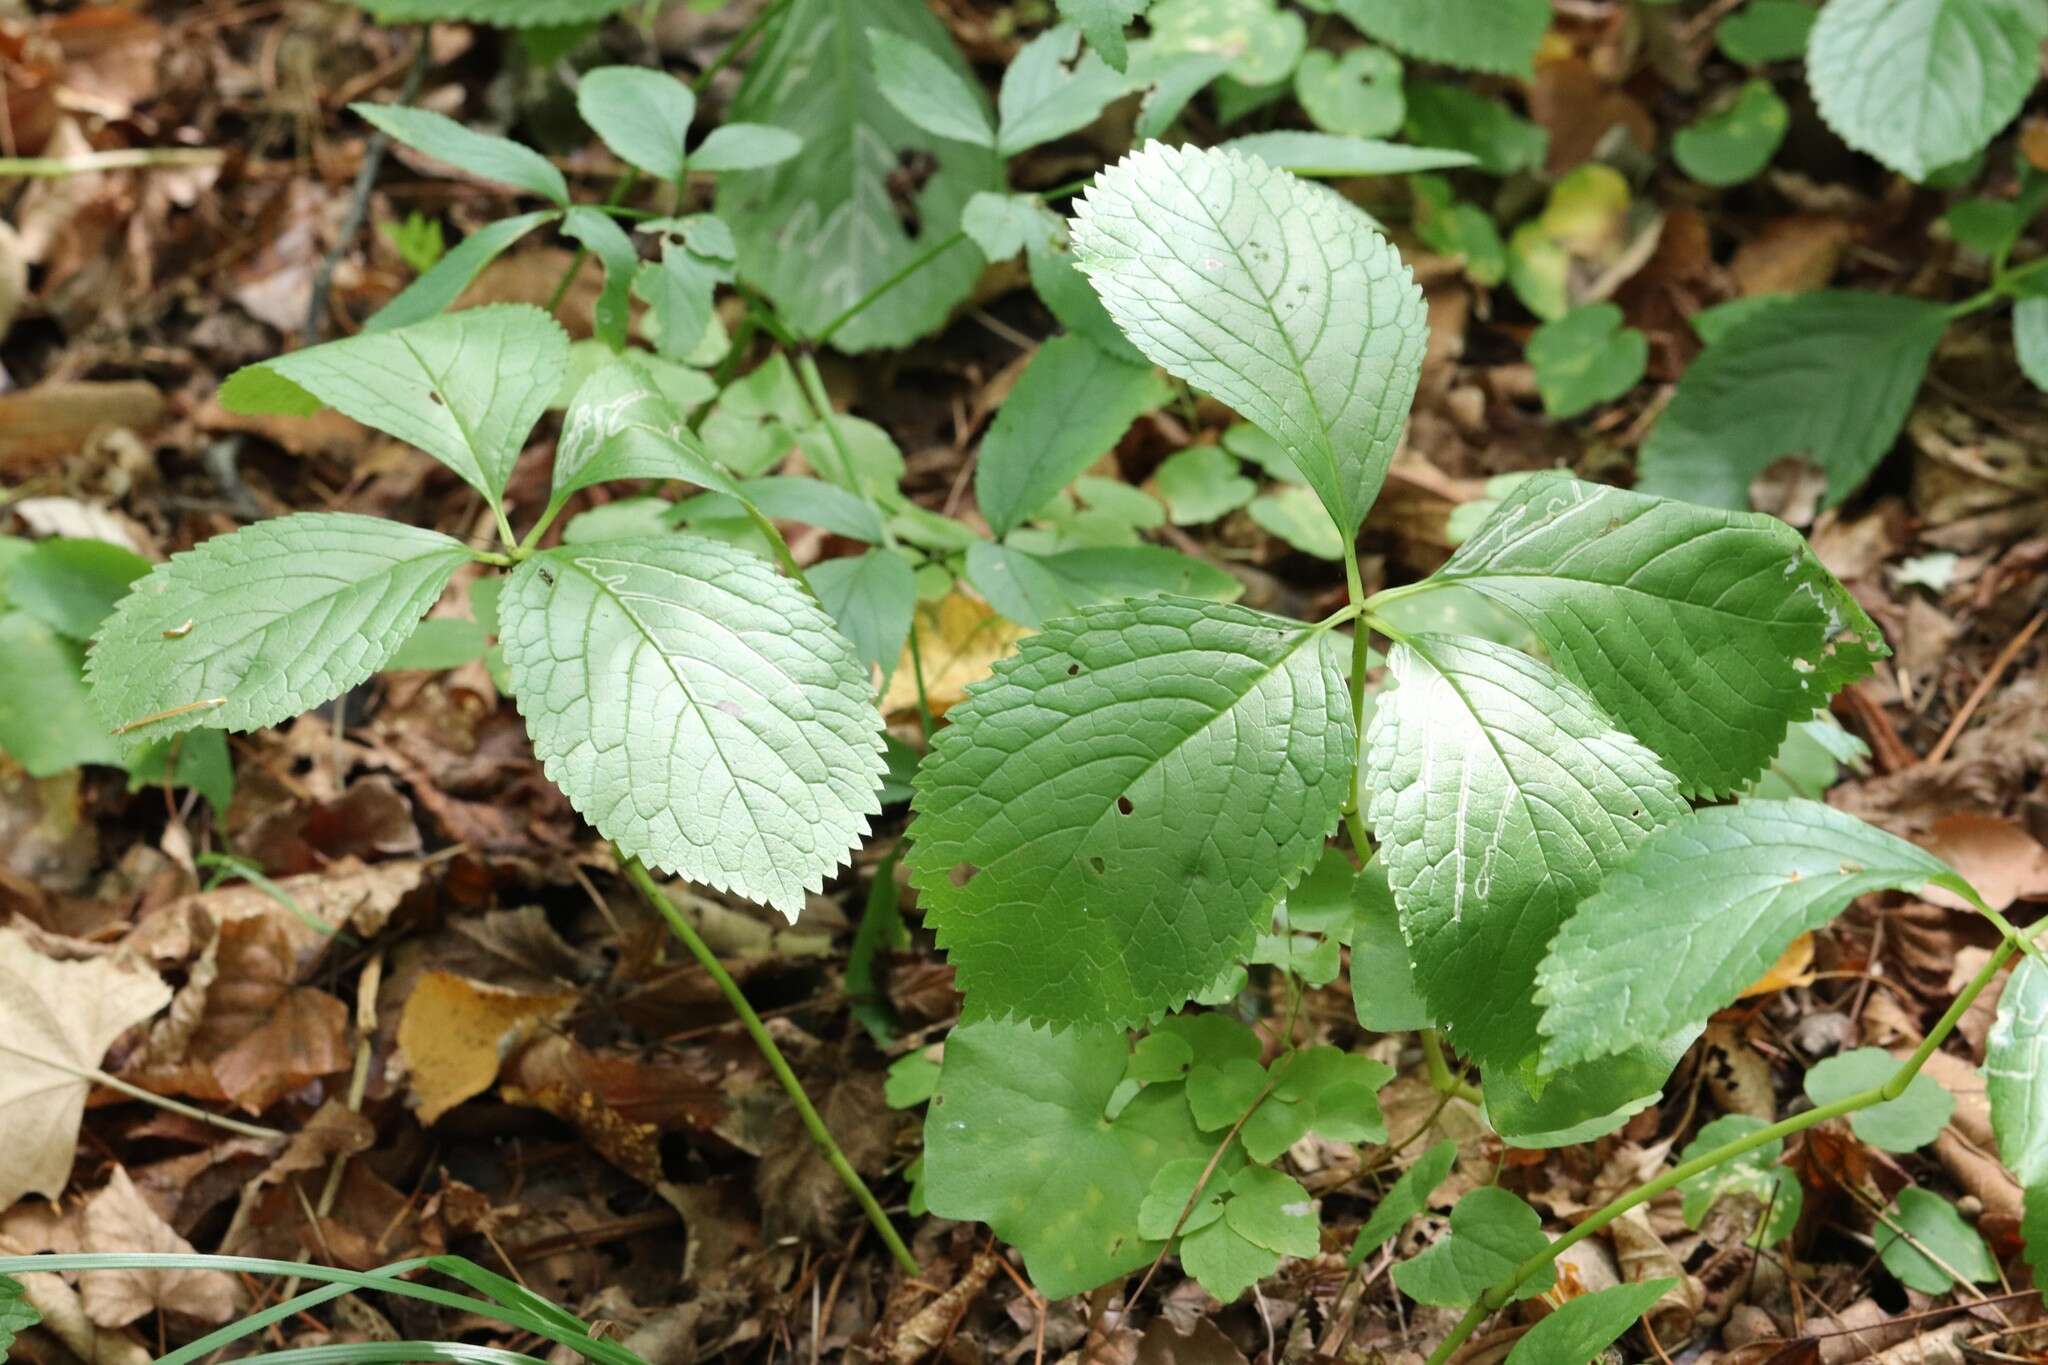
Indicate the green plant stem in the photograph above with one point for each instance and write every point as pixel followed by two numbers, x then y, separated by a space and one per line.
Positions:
pixel 136 1092
pixel 119 159
pixel 1891 1089
pixel 1361 640
pixel 815 1125
pixel 911 267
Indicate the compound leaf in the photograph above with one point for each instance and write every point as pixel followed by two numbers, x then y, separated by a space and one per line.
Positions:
pixel 1106 823
pixel 697 708
pixel 1583 1327
pixel 1501 796
pixel 1905 1124
pixel 1705 633
pixel 1828 376
pixel 1479 35
pixel 465 387
pixel 1492 1233
pixel 643 116
pixel 1923 84
pixel 1017 1137
pixel 1269 292
pixel 928 90
pixel 1071 405
pixel 1269 1208
pixel 1757 875
pixel 253 627
pixel 819 232
pixel 482 155
pixel 1051 88
pixel 432 292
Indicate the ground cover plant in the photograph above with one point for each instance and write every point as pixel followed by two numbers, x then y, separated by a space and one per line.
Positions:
pixel 1294 847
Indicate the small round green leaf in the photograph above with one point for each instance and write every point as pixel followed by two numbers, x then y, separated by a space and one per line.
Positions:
pixel 643 116
pixel 1357 94
pixel 1585 358
pixel 1734 144
pixel 1905 1124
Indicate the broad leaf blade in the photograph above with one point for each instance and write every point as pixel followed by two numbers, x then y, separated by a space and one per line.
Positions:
pixel 1106 823
pixel 254 627
pixel 1033 589
pixel 1756 876
pixel 1102 23
pixel 821 231
pixel 697 708
pixel 1328 154
pixel 1827 376
pixel 1583 1327
pixel 2016 1077
pixel 1923 84
pixel 1273 294
pixel 466 387
pixel 47 721
pixel 1705 633
pixel 1492 1233
pixel 1501 795
pixel 927 90
pixel 620 426
pixel 1051 88
pixel 745 147
pixel 872 596
pixel 479 154
pixel 643 115
pixel 1480 35
pixel 1408 1197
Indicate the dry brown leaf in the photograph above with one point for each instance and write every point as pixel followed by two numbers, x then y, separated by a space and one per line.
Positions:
pixel 119 1219
pixel 1794 967
pixel 348 895
pixel 2003 861
pixel 57 1020
pixel 455 1032
pixel 64 1317
pixel 1792 255
pixel 56 419
pixel 960 638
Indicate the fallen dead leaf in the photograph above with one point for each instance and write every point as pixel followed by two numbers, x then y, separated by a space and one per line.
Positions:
pixel 118 1219
pixel 960 638
pixel 1794 967
pixel 455 1032
pixel 2003 861
pixel 56 419
pixel 1792 255
pixel 57 1020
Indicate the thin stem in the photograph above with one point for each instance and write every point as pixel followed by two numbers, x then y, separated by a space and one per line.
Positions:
pixel 1891 1089
pixel 119 159
pixel 1361 642
pixel 99 1077
pixel 915 264
pixel 815 1125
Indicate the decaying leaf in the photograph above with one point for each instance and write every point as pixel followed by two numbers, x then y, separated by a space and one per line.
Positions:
pixel 119 1219
pixel 455 1032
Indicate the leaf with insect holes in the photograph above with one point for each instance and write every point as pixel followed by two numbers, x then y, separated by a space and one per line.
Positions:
pixel 465 387
pixel 254 627
pixel 643 115
pixel 697 708
pixel 483 155
pixel 1501 795
pixel 1923 84
pixel 1757 875
pixel 1500 36
pixel 1102 23
pixel 1271 293
pixel 1705 633
pixel 1583 1327
pixel 1492 1233
pixel 1018 1136
pixel 872 192
pixel 1218 750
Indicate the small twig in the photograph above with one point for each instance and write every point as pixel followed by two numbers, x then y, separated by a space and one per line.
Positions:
pixel 119 159
pixel 1983 688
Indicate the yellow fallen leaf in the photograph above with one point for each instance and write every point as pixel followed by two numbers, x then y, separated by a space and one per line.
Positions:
pixel 958 638
pixel 454 1033
pixel 1794 967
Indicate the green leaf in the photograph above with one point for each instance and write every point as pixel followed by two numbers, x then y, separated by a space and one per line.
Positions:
pixel 872 596
pixel 1017 1137
pixel 1327 154
pixel 1171 76
pixel 1757 876
pixel 913 1079
pixel 1441 114
pixel 1071 406
pixel 621 426
pixel 1299 518
pixel 1531 1110
pixel 1408 1197
pixel 70 585
pixel 1735 143
pixel 1219 748
pixel 1057 280
pixel 439 643
pixel 819 232
pixel 745 147
pixel 2030 339
pixel 17 1314
pixel 1492 1233
pixel 1269 292
pixel 643 115
pixel 1920 84
pixel 47 722
pixel 1583 1327
pixel 1270 1209
pixel 518 14
pixel 1764 31
pixel 1756 1176
pixel 1585 358
pixel 1451 227
pixel 1383 989
pixel 1171 1189
pixel 1705 633
pixel 1501 795
pixel 439 287
pixel 1905 1124
pixel 466 387
pixel 479 154
pixel 1002 225
pixel 197 761
pixel 928 90
pixel 1051 88
pixel 607 241
pixel 1478 35
pixel 1032 589
pixel 1261 41
pixel 1357 94
pixel 1224 1261
pixel 1321 1090
pixel 1201 484
pixel 2016 1078
pixel 1811 759
pixel 252 628
pixel 1102 23
pixel 812 502
pixel 697 708
pixel 1221 1091
pixel 1943 1240
pixel 696 257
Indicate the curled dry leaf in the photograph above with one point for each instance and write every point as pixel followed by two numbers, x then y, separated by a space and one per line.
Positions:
pixel 57 1020
pixel 454 1033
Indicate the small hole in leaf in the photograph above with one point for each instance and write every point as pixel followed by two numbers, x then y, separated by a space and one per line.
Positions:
pixel 673 239
pixel 1101 868
pixel 962 873
pixel 1123 805
pixel 1073 669
pixel 436 399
